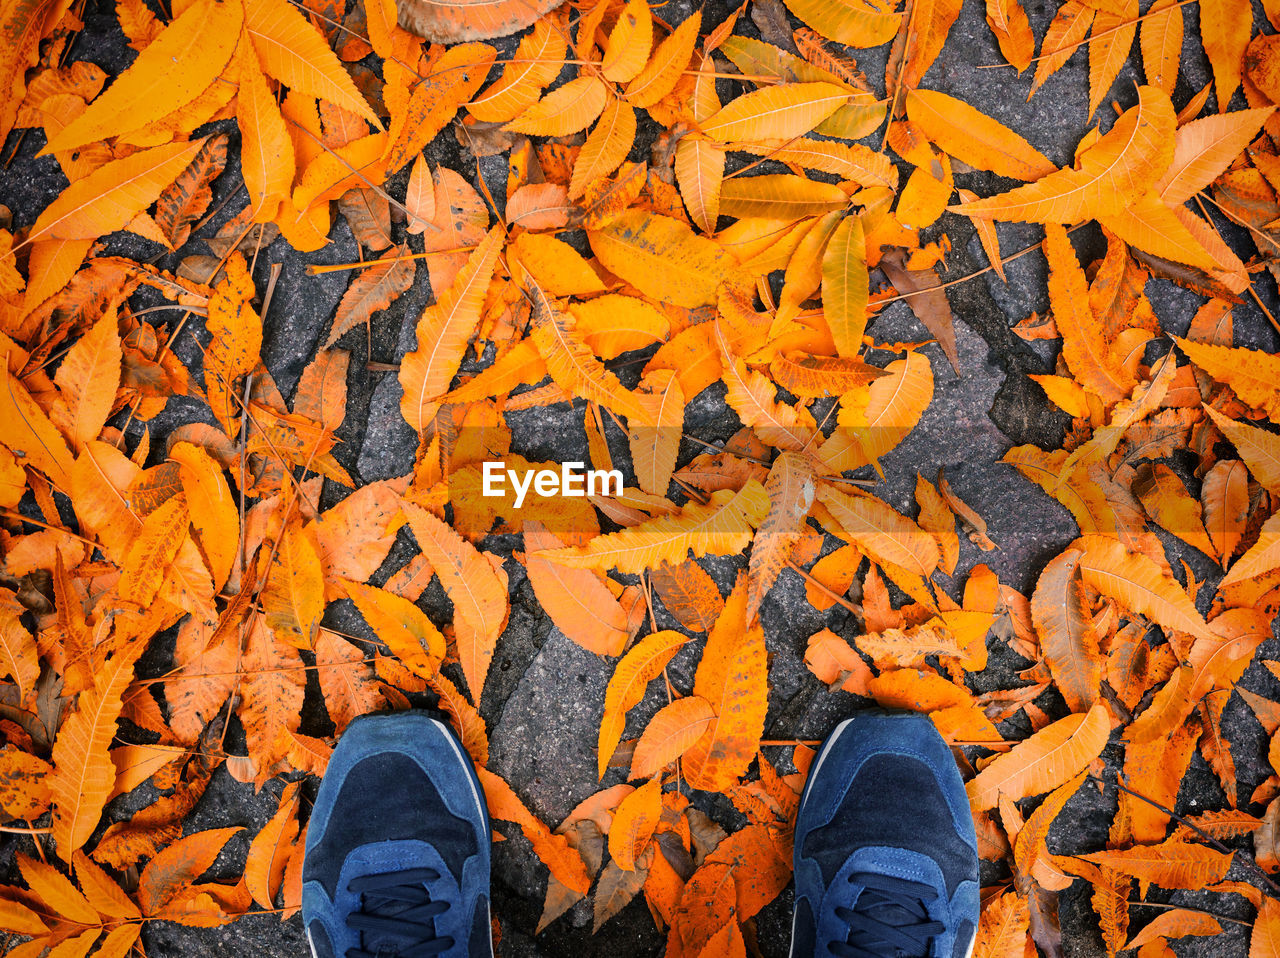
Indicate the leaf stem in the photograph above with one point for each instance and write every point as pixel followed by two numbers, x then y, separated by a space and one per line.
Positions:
pixel 833 596
pixel 1202 911
pixel 318 269
pixel 1071 47
pixel 1191 825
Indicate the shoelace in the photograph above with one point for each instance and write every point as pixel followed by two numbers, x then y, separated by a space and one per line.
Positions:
pixel 888 920
pixel 397 912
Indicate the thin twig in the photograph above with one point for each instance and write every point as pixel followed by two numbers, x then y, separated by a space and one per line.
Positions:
pixel 369 184
pixel 1191 825
pixel 318 269
pixel 833 596
pixel 1202 911
pixel 9 513
pixel 1098 35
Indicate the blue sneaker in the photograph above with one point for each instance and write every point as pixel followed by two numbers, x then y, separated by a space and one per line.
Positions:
pixel 885 853
pixel 397 855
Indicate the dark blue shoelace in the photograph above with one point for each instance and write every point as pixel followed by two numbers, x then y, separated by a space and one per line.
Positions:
pixel 397 916
pixel 889 920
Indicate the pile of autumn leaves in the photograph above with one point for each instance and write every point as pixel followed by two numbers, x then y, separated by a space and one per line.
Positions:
pixel 223 538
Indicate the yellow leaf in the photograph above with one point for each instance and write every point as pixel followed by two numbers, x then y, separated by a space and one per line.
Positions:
pixel 627 48
pixel 565 110
pixel 814 376
pixel 119 941
pixel 845 286
pixel 571 364
pixel 1259 448
pixel 873 421
pixel 849 161
pixel 454 79
pixel 855 23
pixel 266 151
pixel 1166 500
pixel 1008 21
pixel 931 22
pixel 637 668
pixel 1068 635
pixel 1225 29
pixel 295 53
pixel 779 196
pixel 777 112
pixel 402 626
pixel 669 734
pixel 1161 44
pixel 1170 864
pixel 699 167
pixel 19 658
pixel 562 859
pixel 112 195
pixel 1137 583
pixel 355 164
pixel 1003 927
pixel 1154 228
pixel 466 720
pixel 1083 339
pixel 1114 172
pixel 1264 942
pixel 733 677
pixel 1251 373
pixel 83 773
pixel 87 379
pixel 536 63
pixel 1144 400
pixel 721 526
pixel 235 330
pixel 790 488
pixel 577 600
pixel 751 395
pixel 804 269
pixel 654 448
pixel 478 591
pixel 443 331
pixel 175 68
pixel 293 598
pixel 1204 148
pixel 558 268
pixel 1065 34
pixel 669 60
pixel 23 27
pixel 56 891
pixel 607 145
pixel 1065 393
pixel 637 817
pixel 1046 760
pixel 147 566
pixel 103 893
pixel 614 324
pixel 1113 33
pixel 28 433
pixel 213 511
pixel 270 848
pixel 1260 558
pixel 882 533
pixel 975 138
pixel 662 258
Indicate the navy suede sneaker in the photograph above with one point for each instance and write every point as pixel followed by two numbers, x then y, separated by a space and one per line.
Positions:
pixel 397 856
pixel 885 853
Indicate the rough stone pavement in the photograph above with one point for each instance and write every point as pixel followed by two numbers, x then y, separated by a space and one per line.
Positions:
pixel 544 696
